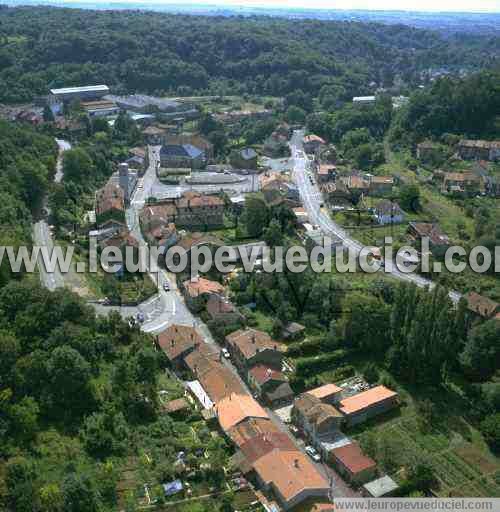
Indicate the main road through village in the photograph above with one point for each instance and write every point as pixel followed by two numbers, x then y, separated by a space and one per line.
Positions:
pixel 312 201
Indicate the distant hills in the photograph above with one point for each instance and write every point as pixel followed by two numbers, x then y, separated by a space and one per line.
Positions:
pixel 475 23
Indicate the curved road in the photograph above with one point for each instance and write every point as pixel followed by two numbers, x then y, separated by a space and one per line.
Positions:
pixel 312 200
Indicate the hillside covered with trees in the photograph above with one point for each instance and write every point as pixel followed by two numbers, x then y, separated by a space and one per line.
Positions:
pixel 163 54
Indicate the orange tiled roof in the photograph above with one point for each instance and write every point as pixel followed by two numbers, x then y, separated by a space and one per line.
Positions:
pixel 324 391
pixel 262 373
pixel 201 286
pixel 290 473
pixel 366 399
pixel 236 407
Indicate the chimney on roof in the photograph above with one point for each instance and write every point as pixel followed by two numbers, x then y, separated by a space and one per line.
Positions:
pixel 296 463
pixel 253 338
pixel 172 343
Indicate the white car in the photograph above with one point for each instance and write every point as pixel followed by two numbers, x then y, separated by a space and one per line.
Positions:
pixel 225 353
pixel 310 450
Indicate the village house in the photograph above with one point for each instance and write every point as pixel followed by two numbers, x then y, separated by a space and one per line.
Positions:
pixel 482 306
pixel 461 183
pixel 336 193
pixel 293 331
pixel 177 341
pixel 238 407
pixel 197 292
pixel 429 152
pixel 223 311
pixel 363 406
pixel 438 240
pixel 244 158
pixel 315 418
pixel 182 156
pixel 270 384
pixel 312 143
pixel 220 382
pixel 276 146
pixel 388 212
pixel 479 150
pixel 199 210
pixel 192 210
pixel 259 445
pixel 326 173
pixel 291 477
pixel 327 393
pixel 110 204
pixel 100 108
pixel 250 347
pixel 380 185
pixel 178 407
pixel 250 428
pixel 353 464
pixel 356 184
pixel 301 215
pixel 154 135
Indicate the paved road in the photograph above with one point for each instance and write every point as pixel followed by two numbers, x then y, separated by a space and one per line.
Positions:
pixel 166 307
pixel 42 235
pixel 312 199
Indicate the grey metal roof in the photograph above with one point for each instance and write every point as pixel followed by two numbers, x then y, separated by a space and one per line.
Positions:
pixel 87 88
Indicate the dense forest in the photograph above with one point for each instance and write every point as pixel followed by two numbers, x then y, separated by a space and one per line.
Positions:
pixel 468 106
pixel 160 53
pixel 27 162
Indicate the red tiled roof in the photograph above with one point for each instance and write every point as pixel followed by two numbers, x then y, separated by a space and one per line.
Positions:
pixel 250 428
pixel 249 341
pixel 220 382
pixel 262 444
pixel 353 458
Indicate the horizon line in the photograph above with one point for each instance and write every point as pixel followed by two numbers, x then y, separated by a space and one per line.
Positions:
pixel 237 6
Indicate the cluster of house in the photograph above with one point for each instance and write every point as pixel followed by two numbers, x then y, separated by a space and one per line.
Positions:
pixel 469 183
pixel 265 454
pixel 109 213
pixel 321 412
pixel 192 210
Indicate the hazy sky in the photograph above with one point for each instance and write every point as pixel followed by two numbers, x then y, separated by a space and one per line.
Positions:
pixel 410 5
